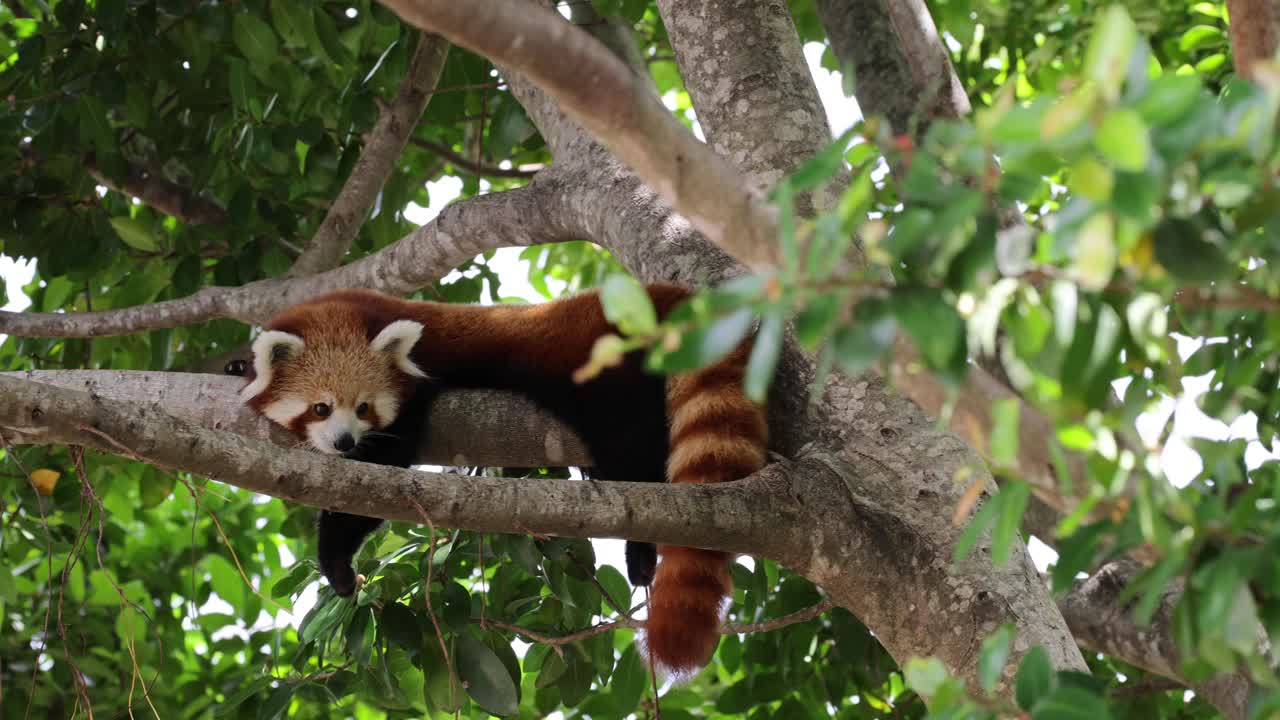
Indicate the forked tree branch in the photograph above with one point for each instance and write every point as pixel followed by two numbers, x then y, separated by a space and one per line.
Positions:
pixel 524 216
pixel 378 159
pixel 599 91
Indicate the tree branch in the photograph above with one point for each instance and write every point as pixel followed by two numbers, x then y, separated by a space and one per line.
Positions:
pixel 716 516
pixel 160 194
pixel 377 160
pixel 524 216
pixel 1255 32
pixel 902 68
pixel 599 91
pixel 739 96
pixel 1102 624
pixel 488 428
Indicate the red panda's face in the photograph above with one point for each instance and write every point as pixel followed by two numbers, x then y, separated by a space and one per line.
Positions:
pixel 331 387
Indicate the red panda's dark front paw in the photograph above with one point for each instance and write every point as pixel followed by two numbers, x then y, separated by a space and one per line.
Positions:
pixel 343 580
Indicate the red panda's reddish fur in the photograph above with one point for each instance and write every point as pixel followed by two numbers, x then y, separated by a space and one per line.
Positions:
pixel 715 433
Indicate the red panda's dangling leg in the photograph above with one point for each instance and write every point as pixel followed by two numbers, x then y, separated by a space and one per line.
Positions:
pixel 339 537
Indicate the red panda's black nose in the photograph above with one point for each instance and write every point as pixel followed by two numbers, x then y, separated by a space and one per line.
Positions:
pixel 344 442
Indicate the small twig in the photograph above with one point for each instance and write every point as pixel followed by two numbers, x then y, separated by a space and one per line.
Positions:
pixel 556 641
pixel 798 616
pixel 473 166
pixel 1148 687
pixel 431 613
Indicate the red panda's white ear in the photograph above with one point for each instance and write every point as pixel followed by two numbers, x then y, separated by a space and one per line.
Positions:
pixel 271 347
pixel 398 340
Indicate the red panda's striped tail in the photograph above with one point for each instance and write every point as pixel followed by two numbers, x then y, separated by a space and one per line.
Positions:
pixel 717 435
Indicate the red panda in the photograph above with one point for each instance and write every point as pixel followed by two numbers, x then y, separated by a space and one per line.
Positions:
pixel 347 373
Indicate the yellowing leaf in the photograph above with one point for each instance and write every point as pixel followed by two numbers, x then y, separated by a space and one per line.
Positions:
pixel 45 480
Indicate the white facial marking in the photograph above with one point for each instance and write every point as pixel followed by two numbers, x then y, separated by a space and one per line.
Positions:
pixel 386 405
pixel 398 338
pixel 323 434
pixel 285 410
pixel 270 346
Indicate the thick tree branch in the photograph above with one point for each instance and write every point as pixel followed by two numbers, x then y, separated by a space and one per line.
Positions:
pixel 602 93
pixel 160 194
pixel 758 109
pixel 488 428
pixel 377 160
pixel 524 216
pixel 898 60
pixel 1255 33
pixel 720 516
pixel 1101 623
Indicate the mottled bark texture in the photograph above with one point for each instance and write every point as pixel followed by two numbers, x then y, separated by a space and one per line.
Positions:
pixel 377 160
pixel 1255 32
pixel 608 98
pixel 900 65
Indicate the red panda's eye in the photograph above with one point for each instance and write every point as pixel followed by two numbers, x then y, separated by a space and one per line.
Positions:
pixel 320 409
pixel 362 409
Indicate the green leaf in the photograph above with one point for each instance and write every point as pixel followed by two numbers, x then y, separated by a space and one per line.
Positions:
pixel 1169 98
pixel 255 38
pixel 1182 249
pixel 94 127
pixel 764 356
pixel 242 83
pixel 994 655
pixel 1035 678
pixel 1004 432
pixel 276 703
pixel 1095 252
pixel 136 233
pixel 860 345
pixel 1071 703
pixel 813 322
pixel 982 520
pixel 553 668
pixel 1012 500
pixel 1107 56
pixel 616 585
pixel 630 678
pixel 485 678
pixel 925 675
pixel 705 345
pixel 246 691
pixel 154 486
pixel 1123 138
pixel 627 305
pixel 1199 37
pixel 299 575
pixel 823 166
